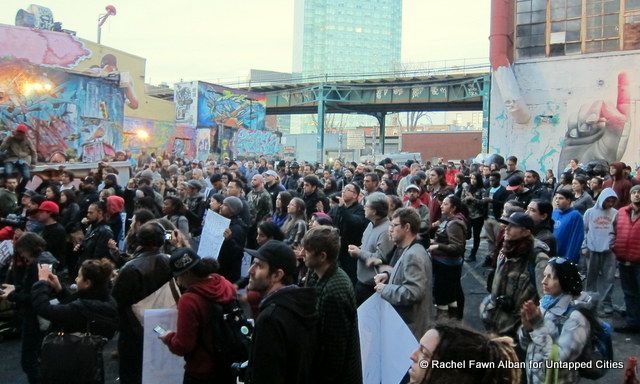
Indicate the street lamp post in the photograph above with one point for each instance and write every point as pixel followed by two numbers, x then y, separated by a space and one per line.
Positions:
pixel 111 11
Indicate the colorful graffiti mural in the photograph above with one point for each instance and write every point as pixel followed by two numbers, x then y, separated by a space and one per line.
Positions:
pixel 161 137
pixel 221 106
pixel 248 142
pixel 78 116
pixel 586 108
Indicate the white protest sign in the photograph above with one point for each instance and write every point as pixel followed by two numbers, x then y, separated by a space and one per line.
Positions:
pixel 212 234
pixel 386 343
pixel 159 366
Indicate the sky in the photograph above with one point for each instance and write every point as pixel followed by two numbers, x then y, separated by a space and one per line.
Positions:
pixel 221 40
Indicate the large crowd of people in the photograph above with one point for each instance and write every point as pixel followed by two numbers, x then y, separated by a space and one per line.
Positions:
pixel 323 239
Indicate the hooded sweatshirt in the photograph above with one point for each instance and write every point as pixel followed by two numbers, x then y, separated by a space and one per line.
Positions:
pixel 285 338
pixel 193 338
pixel 620 185
pixel 598 224
pixel 569 233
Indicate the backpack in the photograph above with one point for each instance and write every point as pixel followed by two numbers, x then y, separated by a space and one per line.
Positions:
pixel 232 333
pixel 599 348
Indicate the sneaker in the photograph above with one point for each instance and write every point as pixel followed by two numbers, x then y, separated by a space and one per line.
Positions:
pixel 627 329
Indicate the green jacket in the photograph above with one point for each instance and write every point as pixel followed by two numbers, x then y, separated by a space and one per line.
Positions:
pixel 338 360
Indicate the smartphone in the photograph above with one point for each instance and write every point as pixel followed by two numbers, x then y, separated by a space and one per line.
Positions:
pixel 168 235
pixel 160 331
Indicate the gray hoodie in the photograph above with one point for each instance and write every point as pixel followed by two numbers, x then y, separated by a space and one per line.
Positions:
pixel 598 224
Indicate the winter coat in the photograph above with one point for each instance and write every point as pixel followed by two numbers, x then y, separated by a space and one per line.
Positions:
pixel 351 223
pixel 512 286
pixel 560 325
pixel 87 310
pixel 582 203
pixel 376 244
pixel 451 239
pixel 598 224
pixel 544 233
pixel 311 200
pixel 338 355
pixel 410 287
pixel 232 250
pixel 19 149
pixel 569 233
pixel 194 337
pixel 94 245
pixel 627 246
pixel 259 204
pixel 499 196
pixel 285 338
pixel 137 279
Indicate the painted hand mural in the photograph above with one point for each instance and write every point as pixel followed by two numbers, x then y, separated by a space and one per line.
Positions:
pixel 600 130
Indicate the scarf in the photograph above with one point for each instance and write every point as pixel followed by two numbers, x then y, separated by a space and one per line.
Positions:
pixel 549 301
pixel 517 248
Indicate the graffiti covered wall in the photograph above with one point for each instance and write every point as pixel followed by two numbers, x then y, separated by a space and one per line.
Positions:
pixel 584 107
pixel 75 115
pixel 248 142
pixel 221 106
pixel 159 136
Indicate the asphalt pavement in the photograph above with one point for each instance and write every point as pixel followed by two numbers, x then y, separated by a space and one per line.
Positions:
pixel 473 282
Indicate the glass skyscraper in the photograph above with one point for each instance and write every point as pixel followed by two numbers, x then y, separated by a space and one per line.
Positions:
pixel 346 36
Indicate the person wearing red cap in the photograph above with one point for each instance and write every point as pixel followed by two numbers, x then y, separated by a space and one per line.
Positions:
pixel 21 154
pixel 53 232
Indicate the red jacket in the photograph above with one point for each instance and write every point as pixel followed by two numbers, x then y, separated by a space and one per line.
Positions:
pixel 627 244
pixel 194 337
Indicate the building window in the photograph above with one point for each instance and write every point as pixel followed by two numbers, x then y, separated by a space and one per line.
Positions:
pixel 566 27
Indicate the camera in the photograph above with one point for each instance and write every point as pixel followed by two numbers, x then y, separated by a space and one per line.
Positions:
pixel 505 303
pixel 14 221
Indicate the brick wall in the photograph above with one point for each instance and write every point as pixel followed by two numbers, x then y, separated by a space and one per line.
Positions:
pixel 448 145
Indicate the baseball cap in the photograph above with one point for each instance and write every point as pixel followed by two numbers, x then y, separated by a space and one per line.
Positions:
pixel 411 187
pixel 278 255
pixel 519 219
pixel 22 128
pixel 271 172
pixel 182 260
pixel 49 206
pixel 515 182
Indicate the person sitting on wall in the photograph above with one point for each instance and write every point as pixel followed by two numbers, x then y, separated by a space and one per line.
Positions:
pixel 20 153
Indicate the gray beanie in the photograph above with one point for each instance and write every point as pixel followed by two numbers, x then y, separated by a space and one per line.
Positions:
pixel 234 203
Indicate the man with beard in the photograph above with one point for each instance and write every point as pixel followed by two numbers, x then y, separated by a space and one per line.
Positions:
pixel 313 197
pixel 285 336
pixel 97 235
pixel 518 276
pixel 538 190
pixel 293 177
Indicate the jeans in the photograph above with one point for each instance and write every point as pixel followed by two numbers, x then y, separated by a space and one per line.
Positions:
pixel 21 166
pixel 630 281
pixel 476 229
pixel 601 268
